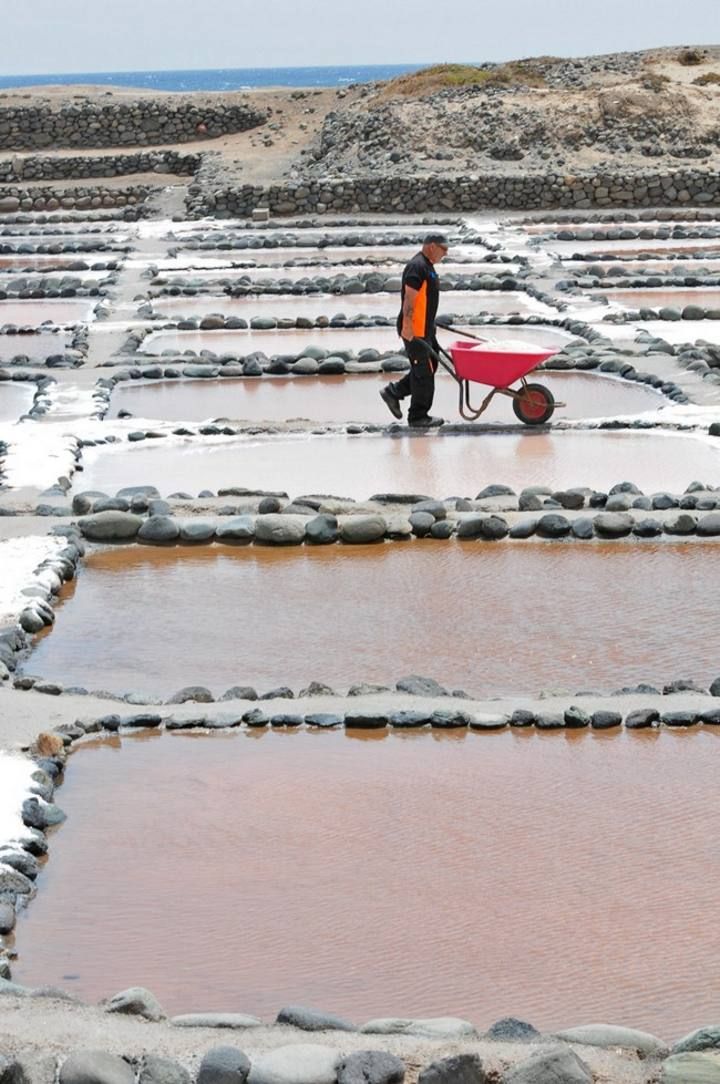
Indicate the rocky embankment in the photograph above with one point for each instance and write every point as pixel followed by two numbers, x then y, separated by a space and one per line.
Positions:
pixel 653 109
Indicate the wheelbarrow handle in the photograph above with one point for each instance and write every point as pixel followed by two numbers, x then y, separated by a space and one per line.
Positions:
pixel 448 365
pixel 465 334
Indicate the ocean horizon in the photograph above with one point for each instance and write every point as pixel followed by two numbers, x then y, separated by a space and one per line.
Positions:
pixel 217 79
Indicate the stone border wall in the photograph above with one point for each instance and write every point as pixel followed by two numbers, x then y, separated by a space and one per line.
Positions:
pixel 38 168
pixel 420 194
pixel 143 122
pixel 14 198
pixel 41 400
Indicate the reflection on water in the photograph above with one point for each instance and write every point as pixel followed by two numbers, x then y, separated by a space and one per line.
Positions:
pixel 355 398
pixel 15 399
pixel 487 618
pixel 478 875
pixel 436 465
pixel 294 342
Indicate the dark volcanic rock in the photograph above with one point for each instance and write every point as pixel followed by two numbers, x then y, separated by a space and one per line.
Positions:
pixel 223 1065
pixel 459 1069
pixel 311 1020
pixel 371 1067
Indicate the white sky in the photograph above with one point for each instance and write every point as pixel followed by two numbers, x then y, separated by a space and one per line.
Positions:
pixel 43 36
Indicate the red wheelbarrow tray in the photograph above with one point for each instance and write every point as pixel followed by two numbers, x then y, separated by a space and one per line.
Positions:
pixel 496 368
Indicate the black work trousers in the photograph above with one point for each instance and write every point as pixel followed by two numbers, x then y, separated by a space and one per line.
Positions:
pixel 419 382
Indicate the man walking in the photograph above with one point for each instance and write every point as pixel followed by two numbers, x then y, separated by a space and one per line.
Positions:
pixel 416 327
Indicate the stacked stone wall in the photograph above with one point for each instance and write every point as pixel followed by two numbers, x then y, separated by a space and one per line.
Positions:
pixel 46 167
pixel 467 193
pixel 15 198
pixel 134 123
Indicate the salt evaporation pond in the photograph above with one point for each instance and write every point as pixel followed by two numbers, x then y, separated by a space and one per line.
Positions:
pixel 667 296
pixel 380 304
pixel 15 399
pixel 602 616
pixel 651 267
pixel 483 835
pixel 35 347
pixel 35 313
pixel 436 465
pixel 672 331
pixel 633 248
pixel 19 261
pixel 356 398
pixel 291 341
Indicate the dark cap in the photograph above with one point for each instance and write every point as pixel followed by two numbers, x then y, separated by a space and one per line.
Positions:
pixel 436 239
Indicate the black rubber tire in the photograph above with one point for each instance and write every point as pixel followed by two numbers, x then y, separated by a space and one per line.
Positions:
pixel 534 417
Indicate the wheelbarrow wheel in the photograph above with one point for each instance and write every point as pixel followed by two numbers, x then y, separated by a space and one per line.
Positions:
pixel 534 404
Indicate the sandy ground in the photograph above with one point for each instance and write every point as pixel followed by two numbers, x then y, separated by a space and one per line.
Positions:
pixel 292 125
pixel 50 1027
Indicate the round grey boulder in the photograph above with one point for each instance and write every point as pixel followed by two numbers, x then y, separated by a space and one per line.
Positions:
pixel 322 530
pixel 240 529
pixel 371 1067
pixel 197 694
pixel 707 1038
pixel 582 528
pixel 416 685
pixel 41 815
pixel 157 1070
pixel 278 530
pixel 609 1036
pixel 553 525
pixel 300 1063
pixel 136 1001
pixel 223 1065
pixel 681 524
pixel 606 720
pixel 297 1016
pixel 159 529
pixel 95 1067
pixel 459 1069
pixel 110 526
pixel 31 621
pixel 691 1068
pixel 363 529
pixel 421 523
pixel 709 525
pixel 196 531
pixel 642 719
pixel 7 918
pixel 613 524
pixel 511 1030
pixel 487 527
pixel 235 1021
pixel 558 1065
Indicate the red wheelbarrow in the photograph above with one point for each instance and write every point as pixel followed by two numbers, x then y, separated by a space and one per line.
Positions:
pixel 480 363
